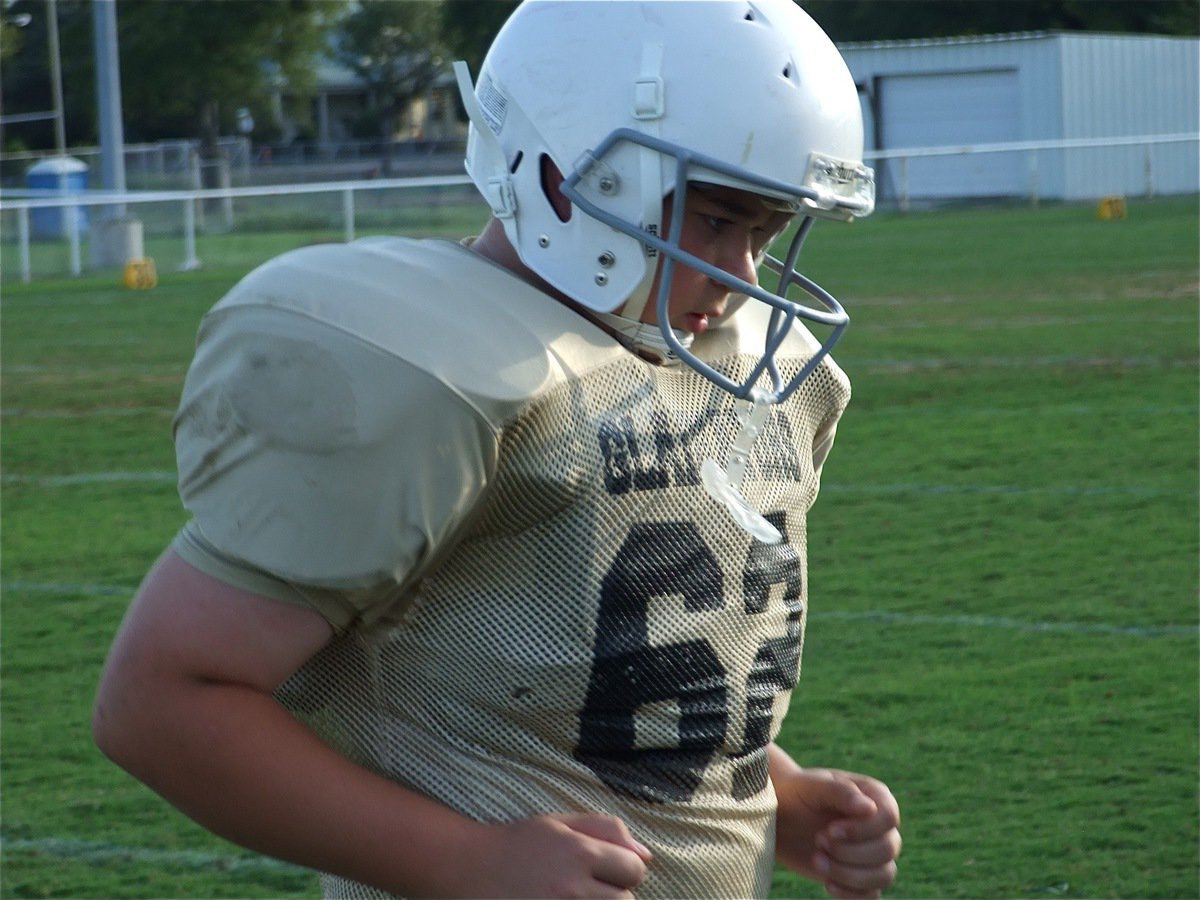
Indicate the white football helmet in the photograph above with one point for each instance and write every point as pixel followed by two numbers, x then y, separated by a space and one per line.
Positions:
pixel 634 100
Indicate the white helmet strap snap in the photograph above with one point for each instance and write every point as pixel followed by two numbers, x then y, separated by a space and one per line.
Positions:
pixel 649 105
pixel 499 192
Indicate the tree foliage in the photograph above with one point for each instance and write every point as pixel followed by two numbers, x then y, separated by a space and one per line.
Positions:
pixel 470 27
pixel 25 71
pixel 396 50
pixel 11 34
pixel 187 65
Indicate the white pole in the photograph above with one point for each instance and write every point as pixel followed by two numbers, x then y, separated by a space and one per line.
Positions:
pixel 1035 189
pixel 73 233
pixel 23 238
pixel 189 236
pixel 108 100
pixel 60 130
pixel 348 214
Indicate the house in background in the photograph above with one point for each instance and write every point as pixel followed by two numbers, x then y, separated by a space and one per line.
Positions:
pixel 342 98
pixel 1101 89
pixel 1031 87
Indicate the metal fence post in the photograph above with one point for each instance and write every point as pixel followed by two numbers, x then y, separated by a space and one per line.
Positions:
pixel 1035 196
pixel 348 214
pixel 190 261
pixel 23 238
pixel 72 212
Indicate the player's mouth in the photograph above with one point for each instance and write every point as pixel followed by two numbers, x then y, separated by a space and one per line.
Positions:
pixel 700 322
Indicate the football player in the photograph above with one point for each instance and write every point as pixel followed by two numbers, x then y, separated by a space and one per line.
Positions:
pixel 495 577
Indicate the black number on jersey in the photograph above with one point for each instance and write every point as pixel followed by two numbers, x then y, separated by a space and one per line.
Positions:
pixel 629 672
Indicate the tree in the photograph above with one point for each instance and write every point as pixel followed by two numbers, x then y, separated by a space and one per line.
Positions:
pixel 188 65
pixel 11 24
pixel 470 27
pixel 874 20
pixel 396 49
pixel 25 71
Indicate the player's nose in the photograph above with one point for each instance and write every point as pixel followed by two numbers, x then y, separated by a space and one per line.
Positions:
pixel 737 258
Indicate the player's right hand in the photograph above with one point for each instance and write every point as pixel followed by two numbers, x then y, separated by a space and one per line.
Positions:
pixel 563 855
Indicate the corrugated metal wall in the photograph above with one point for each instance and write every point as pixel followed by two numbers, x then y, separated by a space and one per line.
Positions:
pixel 1066 86
pixel 1119 85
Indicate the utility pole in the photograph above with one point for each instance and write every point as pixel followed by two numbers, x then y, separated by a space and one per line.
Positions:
pixel 60 127
pixel 108 99
pixel 117 239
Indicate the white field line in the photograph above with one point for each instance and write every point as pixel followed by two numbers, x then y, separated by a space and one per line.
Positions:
pixel 1003 622
pixel 900 366
pixel 1126 298
pixel 57 375
pixel 99 852
pixel 891 618
pixel 168 476
pixel 1061 490
pixel 99 412
pixel 956 412
pixel 67 589
pixel 1023 321
pixel 86 478
pixel 1050 411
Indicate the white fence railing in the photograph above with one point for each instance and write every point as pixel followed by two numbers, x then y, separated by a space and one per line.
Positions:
pixel 893 164
pixel 1035 153
pixel 160 158
pixel 189 202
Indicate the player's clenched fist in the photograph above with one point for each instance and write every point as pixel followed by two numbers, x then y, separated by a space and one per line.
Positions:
pixel 566 855
pixel 839 828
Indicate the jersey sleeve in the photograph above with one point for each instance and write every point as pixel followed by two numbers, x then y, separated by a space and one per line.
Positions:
pixel 317 466
pixel 823 441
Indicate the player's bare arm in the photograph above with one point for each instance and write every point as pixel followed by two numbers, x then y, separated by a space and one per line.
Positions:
pixel 185 704
pixel 839 828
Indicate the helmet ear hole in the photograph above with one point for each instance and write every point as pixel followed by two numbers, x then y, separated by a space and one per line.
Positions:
pixel 552 180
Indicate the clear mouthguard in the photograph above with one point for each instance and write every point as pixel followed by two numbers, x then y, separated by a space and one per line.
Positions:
pixel 724 485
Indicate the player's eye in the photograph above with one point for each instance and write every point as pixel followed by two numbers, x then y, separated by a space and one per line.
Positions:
pixel 762 238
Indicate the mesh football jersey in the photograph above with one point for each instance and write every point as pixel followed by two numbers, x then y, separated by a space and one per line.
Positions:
pixel 539 607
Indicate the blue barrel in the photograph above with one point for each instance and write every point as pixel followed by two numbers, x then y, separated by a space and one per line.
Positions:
pixel 58 174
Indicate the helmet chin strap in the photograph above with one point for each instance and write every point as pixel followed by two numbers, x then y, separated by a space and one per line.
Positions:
pixel 645 340
pixel 648 108
pixel 499 193
pixel 626 322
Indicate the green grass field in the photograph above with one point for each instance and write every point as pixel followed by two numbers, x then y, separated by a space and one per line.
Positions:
pixel 1004 559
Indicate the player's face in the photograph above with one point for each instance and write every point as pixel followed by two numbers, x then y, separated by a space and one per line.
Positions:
pixel 728 228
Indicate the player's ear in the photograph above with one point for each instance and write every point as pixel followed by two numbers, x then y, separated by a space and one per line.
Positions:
pixel 552 180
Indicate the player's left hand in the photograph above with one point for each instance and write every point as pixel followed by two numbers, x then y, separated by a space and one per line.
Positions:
pixel 839 828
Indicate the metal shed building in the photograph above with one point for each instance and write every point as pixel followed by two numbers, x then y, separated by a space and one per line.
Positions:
pixel 1035 88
